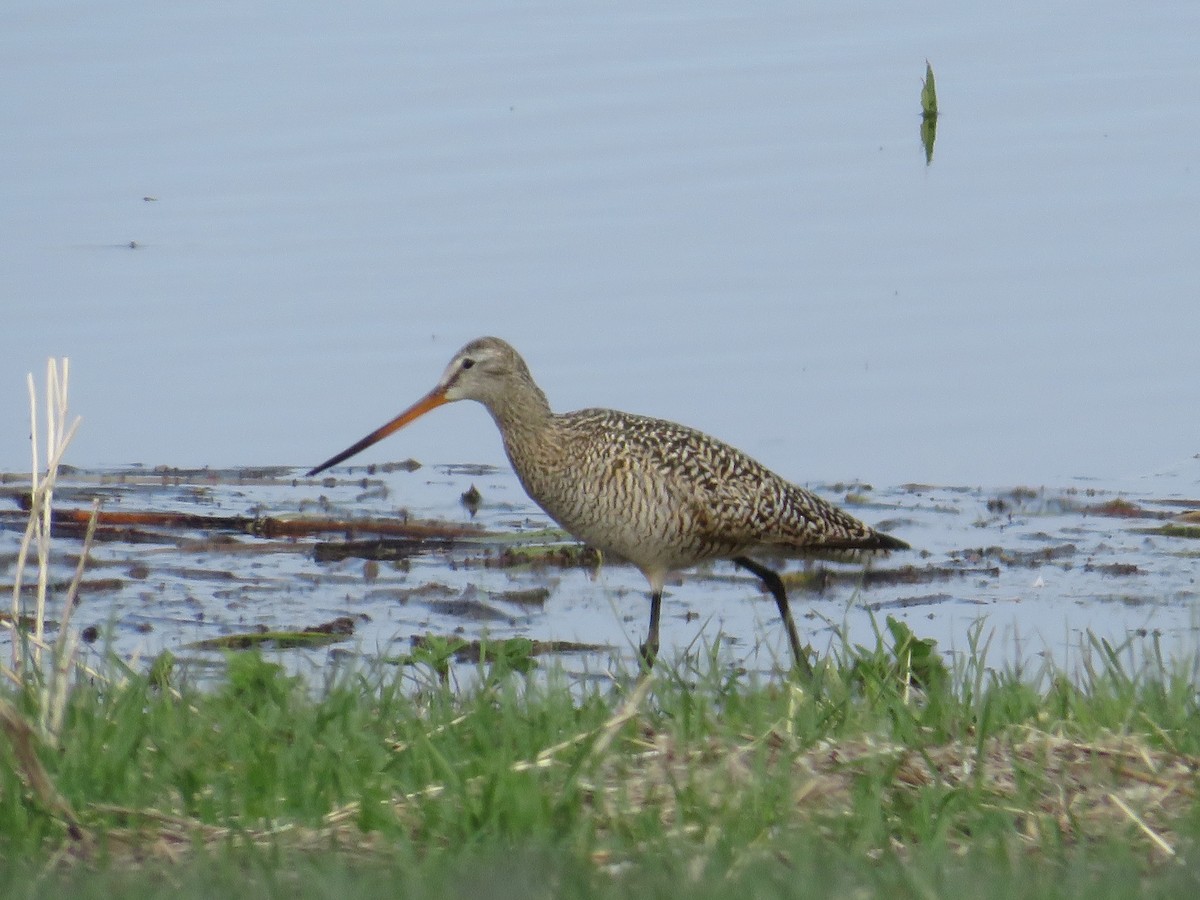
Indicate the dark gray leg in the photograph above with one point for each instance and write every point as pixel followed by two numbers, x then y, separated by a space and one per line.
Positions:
pixel 649 649
pixel 771 579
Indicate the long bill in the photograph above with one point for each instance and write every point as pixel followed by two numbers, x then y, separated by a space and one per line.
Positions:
pixel 432 400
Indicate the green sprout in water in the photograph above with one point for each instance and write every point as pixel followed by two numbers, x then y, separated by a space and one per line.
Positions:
pixel 929 113
pixel 929 108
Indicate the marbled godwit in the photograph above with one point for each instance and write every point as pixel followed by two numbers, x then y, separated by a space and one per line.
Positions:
pixel 661 495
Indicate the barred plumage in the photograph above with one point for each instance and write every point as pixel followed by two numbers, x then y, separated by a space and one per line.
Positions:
pixel 660 495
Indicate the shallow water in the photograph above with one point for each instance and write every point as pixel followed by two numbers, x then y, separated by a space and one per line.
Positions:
pixel 259 231
pixel 717 215
pixel 1040 573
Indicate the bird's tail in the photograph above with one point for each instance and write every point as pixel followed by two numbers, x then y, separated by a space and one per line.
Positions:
pixel 883 543
pixel 845 548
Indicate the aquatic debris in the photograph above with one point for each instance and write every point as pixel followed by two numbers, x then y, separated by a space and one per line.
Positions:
pixel 1032 558
pixel 537 556
pixel 1113 568
pixel 331 480
pixel 1122 509
pixel 403 595
pixel 86 586
pixel 313 636
pixel 926 600
pixel 469 608
pixel 819 578
pixel 1028 559
pixel 471 470
pixel 1190 532
pixel 383 549
pixel 470 499
pixel 528 597
pixel 157 527
pixel 24 622
pixel 1011 500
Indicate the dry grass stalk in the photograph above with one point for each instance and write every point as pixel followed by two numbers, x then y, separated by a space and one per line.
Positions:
pixel 55 684
pixel 54 703
pixel 1081 788
pixel 42 495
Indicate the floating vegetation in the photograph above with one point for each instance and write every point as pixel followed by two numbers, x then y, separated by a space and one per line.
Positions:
pixel 929 104
pixel 511 653
pixel 534 597
pixel 284 639
pixel 541 556
pixel 1189 532
pixel 468 608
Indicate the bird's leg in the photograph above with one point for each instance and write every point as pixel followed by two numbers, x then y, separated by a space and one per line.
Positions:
pixel 771 579
pixel 649 650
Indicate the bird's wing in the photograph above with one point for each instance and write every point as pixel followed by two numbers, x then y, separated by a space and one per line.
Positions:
pixel 734 500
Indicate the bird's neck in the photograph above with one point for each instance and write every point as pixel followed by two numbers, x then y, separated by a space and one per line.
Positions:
pixel 524 418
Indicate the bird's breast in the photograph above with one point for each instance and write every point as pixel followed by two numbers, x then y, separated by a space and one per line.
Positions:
pixel 617 502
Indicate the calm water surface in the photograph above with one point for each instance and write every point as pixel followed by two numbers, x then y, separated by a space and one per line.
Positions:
pixel 718 215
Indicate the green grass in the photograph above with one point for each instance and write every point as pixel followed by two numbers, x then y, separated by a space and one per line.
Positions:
pixel 889 773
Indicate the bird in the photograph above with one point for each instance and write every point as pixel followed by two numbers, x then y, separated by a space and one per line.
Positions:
pixel 663 496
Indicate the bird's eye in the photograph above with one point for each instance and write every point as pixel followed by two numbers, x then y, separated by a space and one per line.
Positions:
pixel 467 363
